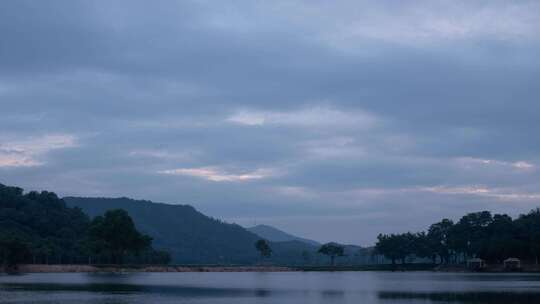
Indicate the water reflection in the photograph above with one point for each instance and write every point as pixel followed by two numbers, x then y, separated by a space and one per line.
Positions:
pixel 265 288
pixel 332 294
pixel 182 291
pixel 461 297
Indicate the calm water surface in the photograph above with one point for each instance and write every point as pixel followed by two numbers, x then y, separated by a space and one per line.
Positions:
pixel 291 287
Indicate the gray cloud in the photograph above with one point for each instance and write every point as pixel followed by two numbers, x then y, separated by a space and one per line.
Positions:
pixel 365 116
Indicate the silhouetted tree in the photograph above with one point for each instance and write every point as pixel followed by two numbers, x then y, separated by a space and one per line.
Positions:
pixel 42 221
pixel 13 251
pixel 393 246
pixel 116 234
pixel 469 235
pixel 332 250
pixel 421 246
pixel 439 235
pixel 528 226
pixel 478 234
pixel 264 249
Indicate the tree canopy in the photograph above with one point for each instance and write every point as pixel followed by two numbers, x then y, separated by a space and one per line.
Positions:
pixel 332 250
pixel 116 234
pixel 263 248
pixel 38 227
pixel 41 221
pixel 13 251
pixel 479 234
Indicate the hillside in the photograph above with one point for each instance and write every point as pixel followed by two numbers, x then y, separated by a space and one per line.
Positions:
pixel 273 234
pixel 188 235
pixel 39 227
pixel 48 229
pixel 194 238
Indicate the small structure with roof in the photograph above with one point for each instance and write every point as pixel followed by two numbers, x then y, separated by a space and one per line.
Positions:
pixel 512 264
pixel 475 263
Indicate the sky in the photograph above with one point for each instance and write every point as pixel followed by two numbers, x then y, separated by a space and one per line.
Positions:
pixel 333 120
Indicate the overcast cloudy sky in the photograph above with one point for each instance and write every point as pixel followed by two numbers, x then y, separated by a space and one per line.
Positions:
pixel 334 120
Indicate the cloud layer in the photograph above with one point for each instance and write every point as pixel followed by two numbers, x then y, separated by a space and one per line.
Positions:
pixel 335 121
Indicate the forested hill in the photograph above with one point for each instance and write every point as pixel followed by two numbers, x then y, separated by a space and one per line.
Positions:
pixel 38 227
pixel 42 220
pixel 188 235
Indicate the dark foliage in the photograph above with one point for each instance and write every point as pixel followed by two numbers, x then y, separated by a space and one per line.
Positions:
pixel 51 231
pixel 332 250
pixel 492 238
pixel 38 227
pixel 263 248
pixel 190 236
pixel 13 251
pixel 114 233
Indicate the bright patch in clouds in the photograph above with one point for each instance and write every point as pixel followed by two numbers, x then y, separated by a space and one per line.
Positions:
pixel 334 147
pixel 470 162
pixel 312 117
pixel 160 154
pixel 217 175
pixel 427 25
pixel 248 118
pixel 295 191
pixel 523 165
pixel 28 152
pixel 14 160
pixel 503 194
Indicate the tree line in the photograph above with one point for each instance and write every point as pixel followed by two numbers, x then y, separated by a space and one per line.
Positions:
pixel 38 227
pixel 476 235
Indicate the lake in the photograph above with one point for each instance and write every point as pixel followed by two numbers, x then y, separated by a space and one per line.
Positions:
pixel 283 287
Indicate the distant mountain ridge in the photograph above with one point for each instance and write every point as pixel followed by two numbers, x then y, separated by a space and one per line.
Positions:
pixel 194 238
pixel 273 234
pixel 190 236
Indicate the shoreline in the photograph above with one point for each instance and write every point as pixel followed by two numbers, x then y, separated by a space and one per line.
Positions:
pixel 42 268
pixel 76 268
pixel 73 268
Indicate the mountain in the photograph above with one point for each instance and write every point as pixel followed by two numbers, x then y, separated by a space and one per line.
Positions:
pixel 273 234
pixel 188 235
pixel 194 238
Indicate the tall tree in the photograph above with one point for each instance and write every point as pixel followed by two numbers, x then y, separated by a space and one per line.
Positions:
pixel 469 234
pixel 502 239
pixel 393 246
pixel 116 234
pixel 264 249
pixel 13 251
pixel 332 250
pixel 439 238
pixel 528 226
pixel 421 246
